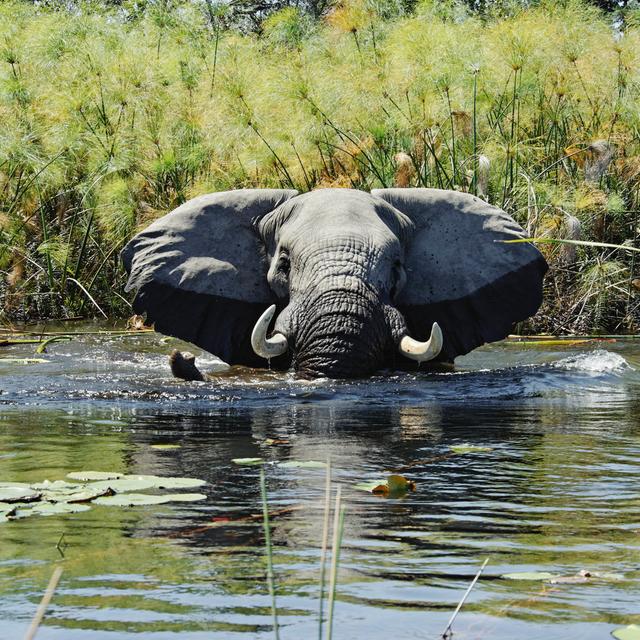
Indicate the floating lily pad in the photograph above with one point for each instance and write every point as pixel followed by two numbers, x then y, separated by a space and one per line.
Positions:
pixel 632 632
pixel 18 494
pixel 141 499
pixel 159 482
pixel 247 461
pixel 87 476
pixel 122 485
pixel 303 464
pixel 587 576
pixel 56 485
pixel 369 486
pixel 186 497
pixel 468 448
pixel 6 509
pixel 57 508
pixel 394 486
pixel 165 447
pixel 613 577
pixel 577 579
pixel 529 575
pixel 80 495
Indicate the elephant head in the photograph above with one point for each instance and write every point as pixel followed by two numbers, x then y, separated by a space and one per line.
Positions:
pixel 356 281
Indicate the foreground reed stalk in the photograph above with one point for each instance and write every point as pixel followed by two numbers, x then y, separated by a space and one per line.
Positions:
pixel 325 542
pixel 338 524
pixel 44 603
pixel 269 552
pixel 448 632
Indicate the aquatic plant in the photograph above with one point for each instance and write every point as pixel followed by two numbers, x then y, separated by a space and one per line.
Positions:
pixel 111 120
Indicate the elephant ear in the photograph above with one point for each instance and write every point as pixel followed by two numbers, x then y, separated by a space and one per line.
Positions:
pixel 200 271
pixel 460 273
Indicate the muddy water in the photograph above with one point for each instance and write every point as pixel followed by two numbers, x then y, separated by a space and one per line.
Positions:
pixel 557 491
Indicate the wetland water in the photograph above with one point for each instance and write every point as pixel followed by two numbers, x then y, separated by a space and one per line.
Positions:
pixel 557 491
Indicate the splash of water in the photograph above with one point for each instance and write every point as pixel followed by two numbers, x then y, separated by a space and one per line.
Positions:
pixel 595 362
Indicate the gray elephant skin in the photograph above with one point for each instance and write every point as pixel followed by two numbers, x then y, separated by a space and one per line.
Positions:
pixel 360 281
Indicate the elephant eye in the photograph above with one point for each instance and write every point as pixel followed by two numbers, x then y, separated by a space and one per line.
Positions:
pixel 399 279
pixel 284 264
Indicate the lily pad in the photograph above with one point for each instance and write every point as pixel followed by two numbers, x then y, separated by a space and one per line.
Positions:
pixel 632 632
pixel 6 509
pixel 369 486
pixel 141 499
pixel 74 497
pixel 469 448
pixel 185 497
pixel 247 461
pixel 577 579
pixel 18 494
pixel 122 485
pixel 159 482
pixel 57 508
pixel 56 485
pixel 394 486
pixel 303 464
pixel 529 575
pixel 87 476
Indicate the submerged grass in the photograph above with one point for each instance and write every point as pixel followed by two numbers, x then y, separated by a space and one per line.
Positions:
pixel 111 122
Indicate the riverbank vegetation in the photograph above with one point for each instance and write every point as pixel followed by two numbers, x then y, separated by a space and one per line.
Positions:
pixel 113 115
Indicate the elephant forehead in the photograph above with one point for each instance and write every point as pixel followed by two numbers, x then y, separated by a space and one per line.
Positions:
pixel 350 208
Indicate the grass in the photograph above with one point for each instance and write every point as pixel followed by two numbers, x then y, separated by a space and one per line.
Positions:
pixel 338 528
pixel 110 123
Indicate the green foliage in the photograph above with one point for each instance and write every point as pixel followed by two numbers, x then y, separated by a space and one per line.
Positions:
pixel 114 116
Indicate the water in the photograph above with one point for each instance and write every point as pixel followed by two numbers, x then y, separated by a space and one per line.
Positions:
pixel 558 491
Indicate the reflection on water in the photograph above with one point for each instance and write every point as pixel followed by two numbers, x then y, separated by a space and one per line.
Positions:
pixel 557 492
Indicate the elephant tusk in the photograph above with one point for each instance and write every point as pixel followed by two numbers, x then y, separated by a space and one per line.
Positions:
pixel 423 351
pixel 265 347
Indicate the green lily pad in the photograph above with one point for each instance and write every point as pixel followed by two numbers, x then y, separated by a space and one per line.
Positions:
pixel 57 508
pixel 141 499
pixel 18 494
pixel 468 448
pixel 56 485
pixel 393 486
pixel 159 482
pixel 303 464
pixel 613 577
pixel 74 497
pixel 87 476
pixel 247 461
pixel 577 579
pixel 370 486
pixel 185 497
pixel 529 575
pixel 121 485
pixel 6 509
pixel 632 632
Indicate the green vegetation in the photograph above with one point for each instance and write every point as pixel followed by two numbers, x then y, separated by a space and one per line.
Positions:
pixel 110 121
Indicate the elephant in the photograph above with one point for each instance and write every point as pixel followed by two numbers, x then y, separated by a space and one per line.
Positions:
pixel 350 282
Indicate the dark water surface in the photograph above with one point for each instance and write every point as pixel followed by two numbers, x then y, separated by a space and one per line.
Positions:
pixel 559 491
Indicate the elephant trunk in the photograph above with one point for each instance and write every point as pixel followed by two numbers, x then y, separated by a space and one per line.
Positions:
pixel 340 334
